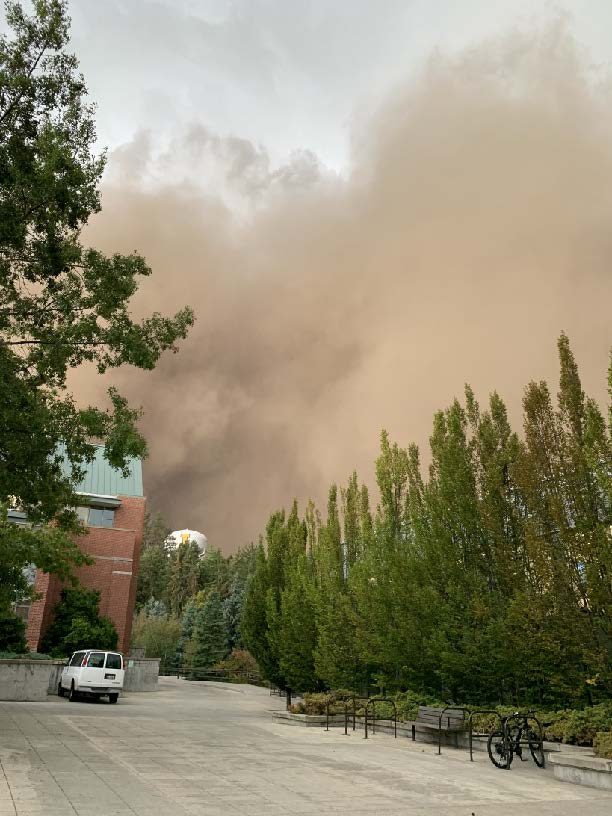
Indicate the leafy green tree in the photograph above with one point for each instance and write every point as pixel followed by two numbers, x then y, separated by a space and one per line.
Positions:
pixel 158 635
pixel 298 632
pixel 47 547
pixel 12 634
pixel 209 634
pixel 253 624
pixel 77 624
pixel 61 304
pixel 154 566
pixel 336 652
pixel 277 539
pixel 487 581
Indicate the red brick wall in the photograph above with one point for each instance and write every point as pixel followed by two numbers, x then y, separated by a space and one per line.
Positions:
pixel 116 552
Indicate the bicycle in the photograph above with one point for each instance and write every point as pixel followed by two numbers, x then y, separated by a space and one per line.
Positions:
pixel 516 732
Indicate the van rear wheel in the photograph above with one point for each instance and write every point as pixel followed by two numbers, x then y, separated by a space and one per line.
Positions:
pixel 112 698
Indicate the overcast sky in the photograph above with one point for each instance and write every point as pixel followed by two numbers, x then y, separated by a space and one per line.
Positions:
pixel 290 74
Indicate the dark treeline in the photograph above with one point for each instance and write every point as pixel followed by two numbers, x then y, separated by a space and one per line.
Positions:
pixel 488 581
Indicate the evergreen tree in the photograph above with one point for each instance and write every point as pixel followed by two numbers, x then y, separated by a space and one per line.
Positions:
pixel 154 566
pixel 232 614
pixel 209 634
pixel 183 580
pixel 187 626
pixel 213 573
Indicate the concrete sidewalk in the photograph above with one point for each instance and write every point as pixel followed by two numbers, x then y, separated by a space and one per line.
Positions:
pixel 207 748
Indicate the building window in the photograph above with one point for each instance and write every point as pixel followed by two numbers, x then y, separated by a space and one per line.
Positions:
pixel 83 514
pixel 96 516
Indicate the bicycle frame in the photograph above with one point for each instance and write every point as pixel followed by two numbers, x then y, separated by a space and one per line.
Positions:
pixel 523 725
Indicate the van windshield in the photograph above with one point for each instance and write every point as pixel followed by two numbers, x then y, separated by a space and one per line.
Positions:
pixel 96 660
pixel 113 661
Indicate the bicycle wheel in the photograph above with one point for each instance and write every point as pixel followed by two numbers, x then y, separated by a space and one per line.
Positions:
pixel 500 750
pixel 536 748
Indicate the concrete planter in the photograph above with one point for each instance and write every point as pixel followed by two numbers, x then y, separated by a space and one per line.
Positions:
pixel 23 680
pixel 582 768
pixel 141 674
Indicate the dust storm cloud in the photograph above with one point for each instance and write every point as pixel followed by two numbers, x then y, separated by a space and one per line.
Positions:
pixel 473 226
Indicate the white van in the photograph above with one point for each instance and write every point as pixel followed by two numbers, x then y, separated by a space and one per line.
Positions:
pixel 94 672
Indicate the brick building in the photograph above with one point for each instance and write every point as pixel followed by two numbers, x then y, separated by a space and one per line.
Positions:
pixel 112 509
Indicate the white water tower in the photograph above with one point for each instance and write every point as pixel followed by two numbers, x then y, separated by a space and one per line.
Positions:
pixel 178 536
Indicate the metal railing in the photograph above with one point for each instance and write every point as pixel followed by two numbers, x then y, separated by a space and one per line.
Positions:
pixel 372 702
pixel 448 708
pixel 207 673
pixel 471 724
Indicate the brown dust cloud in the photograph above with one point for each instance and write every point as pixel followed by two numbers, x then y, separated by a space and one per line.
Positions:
pixel 473 225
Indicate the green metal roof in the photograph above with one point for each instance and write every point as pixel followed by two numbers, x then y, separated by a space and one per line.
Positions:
pixel 103 480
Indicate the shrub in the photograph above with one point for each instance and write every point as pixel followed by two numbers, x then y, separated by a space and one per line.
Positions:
pixel 314 703
pixel 158 636
pixel 603 744
pixel 22 656
pixel 580 727
pixel 12 634
pixel 408 703
pixel 77 624
pixel 237 664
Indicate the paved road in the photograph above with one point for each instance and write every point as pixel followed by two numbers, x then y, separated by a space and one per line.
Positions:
pixel 209 749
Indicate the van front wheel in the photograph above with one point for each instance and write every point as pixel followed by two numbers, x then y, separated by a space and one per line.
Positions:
pixel 72 694
pixel 112 698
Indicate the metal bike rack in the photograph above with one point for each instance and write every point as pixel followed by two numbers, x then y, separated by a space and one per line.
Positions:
pixel 483 711
pixel 448 708
pixel 328 702
pixel 372 701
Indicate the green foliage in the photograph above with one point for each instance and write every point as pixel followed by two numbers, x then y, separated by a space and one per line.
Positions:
pixel 52 549
pixel 297 638
pixel 182 657
pixel 213 573
pixel 154 567
pixel 408 702
pixel 12 634
pixel 312 703
pixel 77 624
pixel 233 607
pixel 62 304
pixel 238 664
pixel 579 727
pixel 603 745
pixel 254 626
pixel 157 634
pixel 183 576
pixel 209 636
pixel 488 582
pixel 24 656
